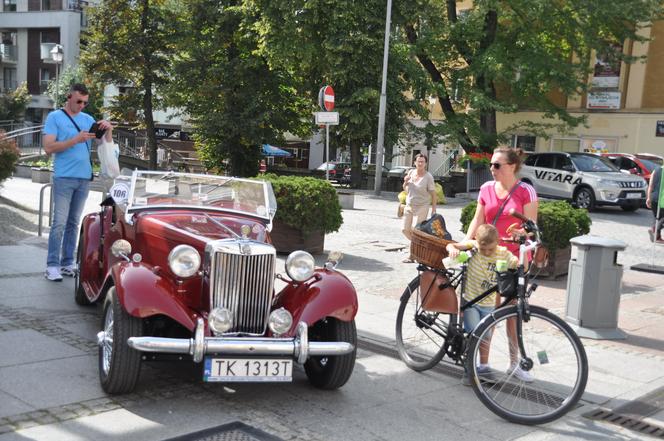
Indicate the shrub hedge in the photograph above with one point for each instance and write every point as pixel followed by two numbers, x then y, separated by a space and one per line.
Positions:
pixel 307 203
pixel 9 154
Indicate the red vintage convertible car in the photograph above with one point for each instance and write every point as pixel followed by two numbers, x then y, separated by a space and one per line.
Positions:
pixel 183 264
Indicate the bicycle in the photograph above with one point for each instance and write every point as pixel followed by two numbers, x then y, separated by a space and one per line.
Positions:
pixel 544 346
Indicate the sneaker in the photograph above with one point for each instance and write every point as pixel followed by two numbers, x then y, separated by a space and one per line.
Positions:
pixel 484 372
pixel 519 373
pixel 52 273
pixel 69 270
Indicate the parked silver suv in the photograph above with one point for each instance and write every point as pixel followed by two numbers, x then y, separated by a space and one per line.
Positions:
pixel 586 179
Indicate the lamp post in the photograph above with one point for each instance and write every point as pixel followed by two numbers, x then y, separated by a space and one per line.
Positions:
pixel 383 102
pixel 57 55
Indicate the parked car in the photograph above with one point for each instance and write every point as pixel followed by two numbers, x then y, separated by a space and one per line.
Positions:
pixel 399 171
pixel 632 164
pixel 657 159
pixel 183 264
pixel 335 170
pixel 587 179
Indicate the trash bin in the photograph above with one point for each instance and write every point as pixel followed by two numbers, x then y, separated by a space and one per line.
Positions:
pixel 593 287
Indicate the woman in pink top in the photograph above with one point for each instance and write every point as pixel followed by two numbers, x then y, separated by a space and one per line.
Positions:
pixel 508 191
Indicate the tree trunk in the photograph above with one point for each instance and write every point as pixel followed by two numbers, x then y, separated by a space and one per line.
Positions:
pixel 150 135
pixel 356 164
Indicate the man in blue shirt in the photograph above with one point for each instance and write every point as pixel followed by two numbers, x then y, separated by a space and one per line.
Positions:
pixel 652 200
pixel 66 134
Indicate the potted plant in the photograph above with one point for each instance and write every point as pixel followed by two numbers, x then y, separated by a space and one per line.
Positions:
pixel 41 171
pixel 307 209
pixel 558 222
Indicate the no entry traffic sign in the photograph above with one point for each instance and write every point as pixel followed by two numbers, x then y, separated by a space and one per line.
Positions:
pixel 326 98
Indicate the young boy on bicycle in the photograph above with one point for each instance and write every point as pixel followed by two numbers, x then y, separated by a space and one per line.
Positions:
pixel 480 276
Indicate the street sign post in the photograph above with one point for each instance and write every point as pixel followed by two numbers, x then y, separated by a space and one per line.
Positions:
pixel 326 102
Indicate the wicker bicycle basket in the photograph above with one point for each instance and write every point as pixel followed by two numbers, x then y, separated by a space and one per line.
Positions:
pixel 428 249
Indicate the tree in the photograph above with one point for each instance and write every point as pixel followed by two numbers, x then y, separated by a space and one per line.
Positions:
pixel 234 98
pixel 132 44
pixel 340 43
pixel 13 103
pixel 507 55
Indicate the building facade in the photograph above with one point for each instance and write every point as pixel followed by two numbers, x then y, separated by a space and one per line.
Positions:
pixel 30 29
pixel 624 106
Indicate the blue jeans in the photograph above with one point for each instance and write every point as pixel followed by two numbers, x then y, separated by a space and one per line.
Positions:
pixel 473 315
pixel 69 196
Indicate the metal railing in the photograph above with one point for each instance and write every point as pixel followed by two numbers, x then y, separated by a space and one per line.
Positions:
pixel 447 164
pixel 28 137
pixel 477 176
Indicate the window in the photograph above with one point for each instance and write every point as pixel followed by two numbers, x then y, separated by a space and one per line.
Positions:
pixel 526 143
pixel 9 78
pixel 51 5
pixel 44 78
pixel 9 6
pixel 562 162
pixel 545 161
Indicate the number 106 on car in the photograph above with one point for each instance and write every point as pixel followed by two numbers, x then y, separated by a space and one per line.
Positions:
pixel 247 370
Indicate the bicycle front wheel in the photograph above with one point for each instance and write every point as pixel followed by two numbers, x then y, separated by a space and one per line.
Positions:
pixel 536 389
pixel 421 335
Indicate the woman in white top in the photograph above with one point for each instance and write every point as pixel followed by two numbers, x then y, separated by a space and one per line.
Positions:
pixel 421 190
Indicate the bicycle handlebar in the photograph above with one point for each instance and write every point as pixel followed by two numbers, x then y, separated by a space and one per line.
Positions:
pixel 518 215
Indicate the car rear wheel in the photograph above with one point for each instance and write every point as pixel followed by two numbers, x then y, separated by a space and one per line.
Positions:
pixel 79 293
pixel 331 372
pixel 119 365
pixel 584 198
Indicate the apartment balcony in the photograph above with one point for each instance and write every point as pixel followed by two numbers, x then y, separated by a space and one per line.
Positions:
pixel 9 53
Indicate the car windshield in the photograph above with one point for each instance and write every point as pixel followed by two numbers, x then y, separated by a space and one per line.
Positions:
pixel 656 160
pixel 151 189
pixel 593 163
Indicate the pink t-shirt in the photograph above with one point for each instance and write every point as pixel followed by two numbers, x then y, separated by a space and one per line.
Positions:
pixel 522 195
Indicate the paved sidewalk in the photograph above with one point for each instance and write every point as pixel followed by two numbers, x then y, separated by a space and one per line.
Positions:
pixel 626 376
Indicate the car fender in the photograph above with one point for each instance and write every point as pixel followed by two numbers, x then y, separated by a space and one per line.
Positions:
pixel 328 294
pixel 89 270
pixel 142 292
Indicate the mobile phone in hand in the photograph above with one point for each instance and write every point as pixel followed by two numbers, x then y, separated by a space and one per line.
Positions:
pixel 98 131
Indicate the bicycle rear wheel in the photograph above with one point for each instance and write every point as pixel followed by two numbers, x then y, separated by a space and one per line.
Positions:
pixel 550 388
pixel 421 335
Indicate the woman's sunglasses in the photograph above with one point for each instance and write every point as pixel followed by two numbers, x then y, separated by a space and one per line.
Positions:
pixel 495 165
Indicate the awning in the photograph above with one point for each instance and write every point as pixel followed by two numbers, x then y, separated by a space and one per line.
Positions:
pixel 270 150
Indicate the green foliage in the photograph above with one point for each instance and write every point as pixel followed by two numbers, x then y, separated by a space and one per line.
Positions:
pixel 440 194
pixel 132 45
pixel 307 203
pixel 513 55
pixel 9 154
pixel 558 222
pixel 14 103
pixel 235 99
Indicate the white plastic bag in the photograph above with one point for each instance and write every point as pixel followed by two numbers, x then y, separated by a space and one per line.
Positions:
pixel 108 153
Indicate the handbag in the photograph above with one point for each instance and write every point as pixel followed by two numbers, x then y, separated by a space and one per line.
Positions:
pixel 400 210
pixel 435 226
pixel 108 153
pixel 437 293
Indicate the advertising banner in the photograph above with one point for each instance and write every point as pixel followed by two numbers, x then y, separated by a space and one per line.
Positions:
pixel 603 100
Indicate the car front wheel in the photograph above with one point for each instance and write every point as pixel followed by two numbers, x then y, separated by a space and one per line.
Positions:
pixel 584 198
pixel 334 371
pixel 119 365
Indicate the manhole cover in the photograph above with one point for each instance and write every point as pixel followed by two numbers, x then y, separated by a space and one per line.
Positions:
pixel 235 431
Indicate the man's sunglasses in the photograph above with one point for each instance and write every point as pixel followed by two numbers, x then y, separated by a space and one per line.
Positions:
pixel 495 165
pixel 85 103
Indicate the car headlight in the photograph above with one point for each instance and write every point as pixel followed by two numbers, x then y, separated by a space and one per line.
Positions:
pixel 300 266
pixel 609 183
pixel 184 260
pixel 280 321
pixel 220 320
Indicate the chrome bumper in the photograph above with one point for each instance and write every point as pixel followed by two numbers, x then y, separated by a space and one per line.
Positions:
pixel 298 348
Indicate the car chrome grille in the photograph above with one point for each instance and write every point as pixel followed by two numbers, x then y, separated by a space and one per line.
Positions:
pixel 630 184
pixel 243 283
